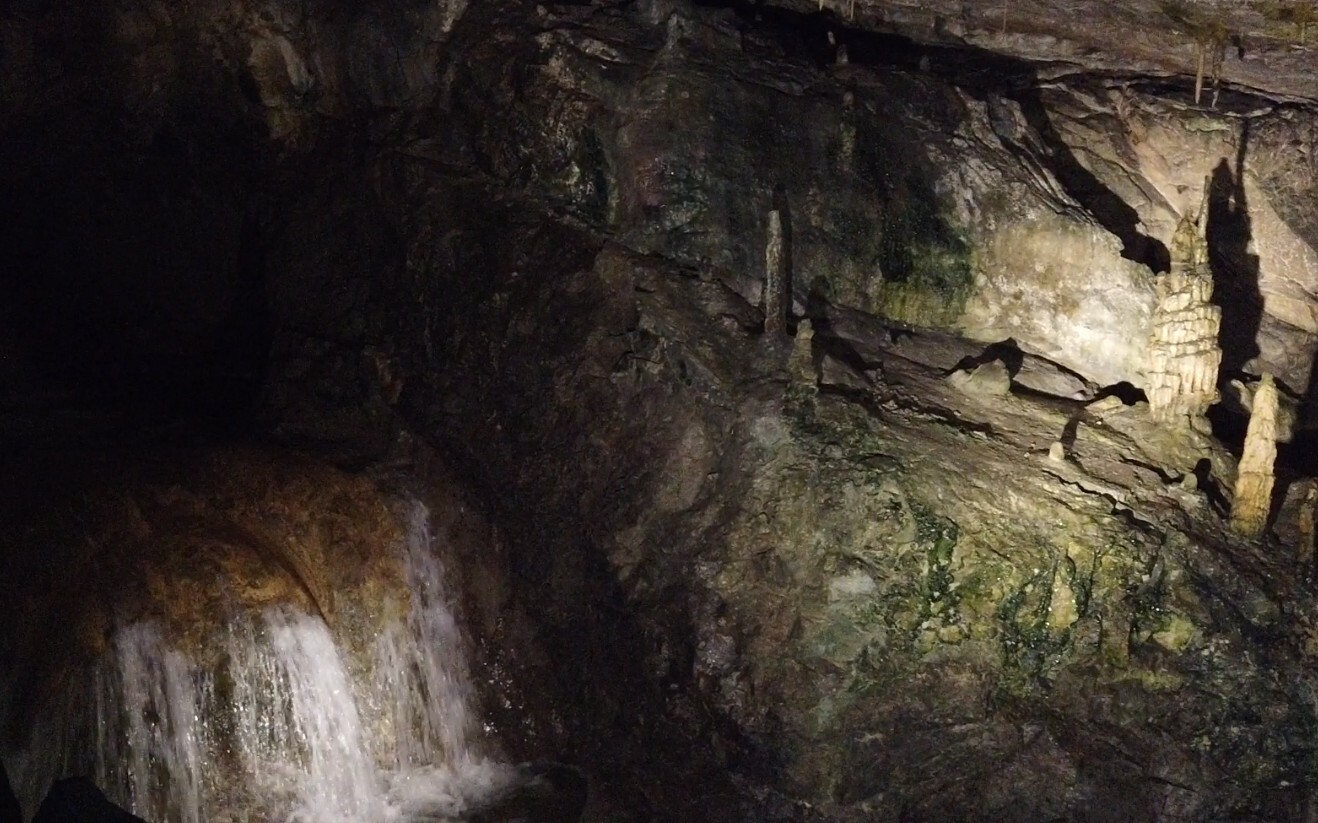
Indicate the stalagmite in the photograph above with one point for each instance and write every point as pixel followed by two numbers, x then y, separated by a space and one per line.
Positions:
pixel 776 276
pixel 1253 501
pixel 1183 356
pixel 847 149
pixel 801 363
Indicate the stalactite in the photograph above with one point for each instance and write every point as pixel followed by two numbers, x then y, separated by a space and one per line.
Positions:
pixel 1253 501
pixel 776 276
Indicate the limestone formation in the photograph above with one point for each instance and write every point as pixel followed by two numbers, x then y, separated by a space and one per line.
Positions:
pixel 776 274
pixel 1183 356
pixel 1249 510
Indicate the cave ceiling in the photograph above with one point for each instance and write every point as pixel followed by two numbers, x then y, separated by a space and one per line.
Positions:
pixel 1265 46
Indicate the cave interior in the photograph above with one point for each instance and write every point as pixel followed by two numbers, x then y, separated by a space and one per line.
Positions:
pixel 825 411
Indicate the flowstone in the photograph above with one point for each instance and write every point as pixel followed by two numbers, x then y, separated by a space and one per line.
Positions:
pixel 1183 356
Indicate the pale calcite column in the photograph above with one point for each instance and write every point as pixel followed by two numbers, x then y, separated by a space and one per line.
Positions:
pixel 1253 501
pixel 776 274
pixel 1183 356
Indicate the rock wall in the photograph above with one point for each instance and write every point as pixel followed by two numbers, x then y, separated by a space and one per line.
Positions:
pixel 1157 156
pixel 674 137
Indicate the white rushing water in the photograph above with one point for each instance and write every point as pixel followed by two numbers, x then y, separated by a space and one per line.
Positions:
pixel 288 726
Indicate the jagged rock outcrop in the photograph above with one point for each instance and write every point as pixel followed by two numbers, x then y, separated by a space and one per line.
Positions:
pixel 1184 357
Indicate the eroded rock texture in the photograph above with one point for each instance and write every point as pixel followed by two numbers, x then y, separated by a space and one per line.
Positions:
pixel 738 575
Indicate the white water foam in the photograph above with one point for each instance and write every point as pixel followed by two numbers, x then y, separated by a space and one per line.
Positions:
pixel 157 709
pixel 420 670
pixel 296 724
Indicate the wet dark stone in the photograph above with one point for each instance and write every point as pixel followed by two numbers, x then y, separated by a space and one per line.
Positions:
pixel 545 792
pixel 78 800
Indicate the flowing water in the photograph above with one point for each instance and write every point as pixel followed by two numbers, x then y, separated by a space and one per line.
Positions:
pixel 290 724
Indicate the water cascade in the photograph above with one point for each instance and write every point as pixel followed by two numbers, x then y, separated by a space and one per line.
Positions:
pixel 284 716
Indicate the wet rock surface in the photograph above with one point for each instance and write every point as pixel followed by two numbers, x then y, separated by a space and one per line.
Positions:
pixel 733 574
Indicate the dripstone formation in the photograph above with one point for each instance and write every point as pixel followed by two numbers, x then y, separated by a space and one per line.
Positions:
pixel 777 274
pixel 1249 511
pixel 1183 356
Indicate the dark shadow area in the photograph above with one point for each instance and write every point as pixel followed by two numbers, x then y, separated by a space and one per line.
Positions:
pixel 132 252
pixel 1007 351
pixel 1108 208
pixel 1203 475
pixel 10 811
pixel 826 341
pixel 1071 431
pixel 79 800
pixel 1228 427
pixel 1281 489
pixel 1235 269
pixel 1124 391
pixel 1302 452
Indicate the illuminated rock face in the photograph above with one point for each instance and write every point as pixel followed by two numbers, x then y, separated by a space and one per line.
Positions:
pixel 1183 356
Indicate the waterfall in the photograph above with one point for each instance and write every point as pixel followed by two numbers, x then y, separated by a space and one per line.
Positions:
pixel 154 707
pixel 288 720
